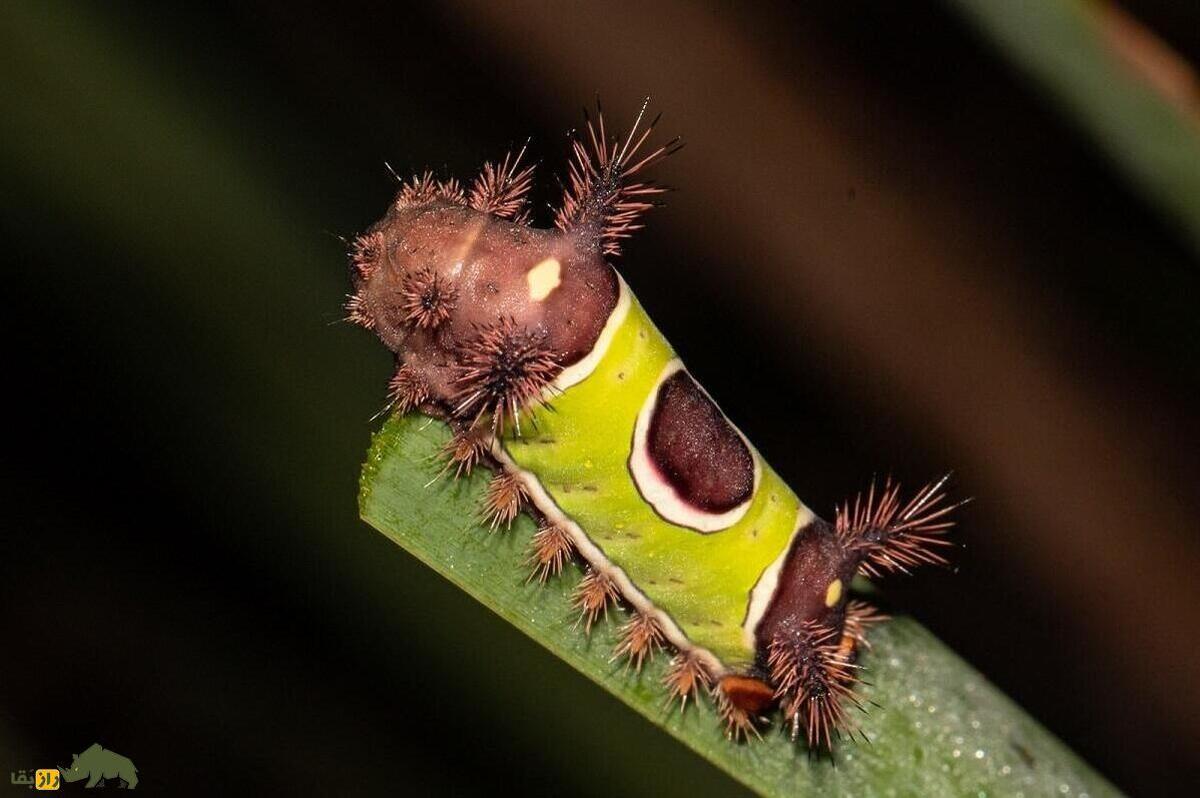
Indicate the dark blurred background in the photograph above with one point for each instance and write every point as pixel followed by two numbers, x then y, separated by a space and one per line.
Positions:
pixel 889 251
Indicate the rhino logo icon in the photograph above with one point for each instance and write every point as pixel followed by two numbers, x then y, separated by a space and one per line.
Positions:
pixel 97 764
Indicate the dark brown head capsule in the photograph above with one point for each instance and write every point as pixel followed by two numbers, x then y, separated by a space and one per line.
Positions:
pixel 486 311
pixel 482 311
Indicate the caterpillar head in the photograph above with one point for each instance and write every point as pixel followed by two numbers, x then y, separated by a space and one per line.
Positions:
pixel 482 310
pixel 485 310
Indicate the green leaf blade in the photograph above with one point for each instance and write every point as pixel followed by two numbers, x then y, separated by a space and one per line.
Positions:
pixel 940 727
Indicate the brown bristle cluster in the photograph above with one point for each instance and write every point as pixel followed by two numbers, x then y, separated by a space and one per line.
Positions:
pixel 592 596
pixel 739 722
pixel 451 190
pixel 423 188
pixel 365 252
pixel 639 638
pixel 465 449
pixel 891 537
pixel 407 390
pixel 813 677
pixel 551 547
pixel 685 676
pixel 599 190
pixel 859 615
pixel 502 188
pixel 358 313
pixel 503 501
pixel 504 371
pixel 426 298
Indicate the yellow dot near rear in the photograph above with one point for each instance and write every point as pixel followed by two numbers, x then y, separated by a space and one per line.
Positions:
pixel 543 279
pixel 833 593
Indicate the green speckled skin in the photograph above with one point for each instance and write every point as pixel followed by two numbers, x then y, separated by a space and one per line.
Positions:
pixel 580 451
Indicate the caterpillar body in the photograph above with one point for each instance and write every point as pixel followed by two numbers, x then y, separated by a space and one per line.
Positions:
pixel 533 348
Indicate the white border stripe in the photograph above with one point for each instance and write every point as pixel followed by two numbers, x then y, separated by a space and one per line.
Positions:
pixel 595 557
pixel 764 589
pixel 659 493
pixel 578 372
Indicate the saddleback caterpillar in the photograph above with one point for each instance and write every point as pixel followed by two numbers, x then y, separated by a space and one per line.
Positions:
pixel 534 350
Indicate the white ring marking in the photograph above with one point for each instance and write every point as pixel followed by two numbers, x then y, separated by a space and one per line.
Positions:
pixel 659 493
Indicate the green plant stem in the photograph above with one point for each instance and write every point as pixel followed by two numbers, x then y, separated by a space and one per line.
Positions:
pixel 936 726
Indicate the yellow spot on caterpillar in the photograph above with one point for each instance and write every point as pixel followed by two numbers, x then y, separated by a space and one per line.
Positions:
pixel 544 278
pixel 833 593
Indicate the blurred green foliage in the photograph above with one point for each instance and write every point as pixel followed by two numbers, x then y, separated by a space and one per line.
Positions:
pixel 1062 46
